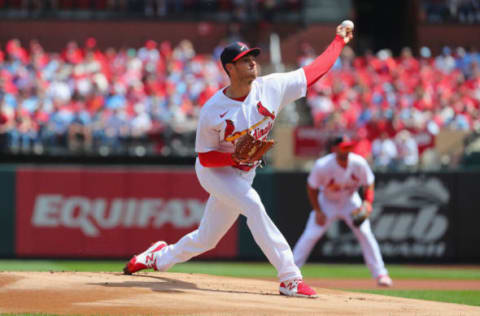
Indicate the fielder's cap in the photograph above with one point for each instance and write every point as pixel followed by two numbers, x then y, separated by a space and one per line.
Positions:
pixel 343 142
pixel 235 51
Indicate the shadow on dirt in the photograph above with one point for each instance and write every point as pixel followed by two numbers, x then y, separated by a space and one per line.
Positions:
pixel 169 285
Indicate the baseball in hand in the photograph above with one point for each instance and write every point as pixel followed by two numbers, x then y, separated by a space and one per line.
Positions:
pixel 347 24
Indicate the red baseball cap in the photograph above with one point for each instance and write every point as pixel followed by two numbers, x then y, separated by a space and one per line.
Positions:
pixel 344 142
pixel 235 51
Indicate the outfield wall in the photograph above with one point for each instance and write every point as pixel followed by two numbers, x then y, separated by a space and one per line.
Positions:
pixel 113 212
pixel 422 217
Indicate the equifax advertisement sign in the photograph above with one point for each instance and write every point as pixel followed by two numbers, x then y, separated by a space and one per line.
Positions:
pixel 89 212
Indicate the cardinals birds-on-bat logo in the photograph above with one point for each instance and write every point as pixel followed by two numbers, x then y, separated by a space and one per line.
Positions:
pixel 243 46
pixel 230 135
pixel 263 110
pixel 354 178
pixel 229 128
pixel 333 186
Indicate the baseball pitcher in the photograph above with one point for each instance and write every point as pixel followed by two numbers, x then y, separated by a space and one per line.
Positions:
pixel 231 138
pixel 332 190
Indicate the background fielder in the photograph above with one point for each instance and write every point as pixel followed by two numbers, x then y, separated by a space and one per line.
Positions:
pixel 332 190
pixel 248 105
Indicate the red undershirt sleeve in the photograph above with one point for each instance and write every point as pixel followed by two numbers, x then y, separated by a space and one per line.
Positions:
pixel 216 159
pixel 317 68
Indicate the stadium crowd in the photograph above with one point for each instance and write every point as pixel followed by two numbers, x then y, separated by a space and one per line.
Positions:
pixel 396 106
pixel 456 11
pixel 240 10
pixel 112 101
pixel 146 100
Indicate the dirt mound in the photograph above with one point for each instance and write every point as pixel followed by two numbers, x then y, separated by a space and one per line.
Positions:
pixel 424 284
pixel 190 294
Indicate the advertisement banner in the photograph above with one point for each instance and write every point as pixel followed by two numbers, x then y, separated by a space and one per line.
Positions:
pixel 309 141
pixel 414 218
pixel 411 220
pixel 100 212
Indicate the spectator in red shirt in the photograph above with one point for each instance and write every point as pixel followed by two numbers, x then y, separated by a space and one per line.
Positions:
pixel 363 145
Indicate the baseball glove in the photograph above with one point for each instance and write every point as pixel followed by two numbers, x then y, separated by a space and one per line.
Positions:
pixel 249 150
pixel 361 214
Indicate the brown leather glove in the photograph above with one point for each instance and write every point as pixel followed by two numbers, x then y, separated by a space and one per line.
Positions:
pixel 249 150
pixel 361 213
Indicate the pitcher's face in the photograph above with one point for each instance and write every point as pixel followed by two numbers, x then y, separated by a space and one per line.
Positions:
pixel 245 69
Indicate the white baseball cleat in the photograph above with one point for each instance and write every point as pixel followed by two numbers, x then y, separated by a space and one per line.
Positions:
pixel 145 260
pixel 297 288
pixel 384 280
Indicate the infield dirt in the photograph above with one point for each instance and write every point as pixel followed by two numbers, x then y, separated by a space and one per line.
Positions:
pixel 155 293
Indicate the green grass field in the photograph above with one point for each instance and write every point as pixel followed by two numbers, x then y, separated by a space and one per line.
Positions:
pixel 265 270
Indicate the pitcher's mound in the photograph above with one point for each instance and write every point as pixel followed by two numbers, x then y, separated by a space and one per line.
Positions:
pixel 167 293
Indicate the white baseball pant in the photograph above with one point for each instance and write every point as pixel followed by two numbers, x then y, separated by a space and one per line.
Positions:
pixel 231 194
pixel 313 232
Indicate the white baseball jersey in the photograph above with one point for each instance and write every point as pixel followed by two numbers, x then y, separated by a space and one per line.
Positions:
pixel 223 120
pixel 338 197
pixel 340 185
